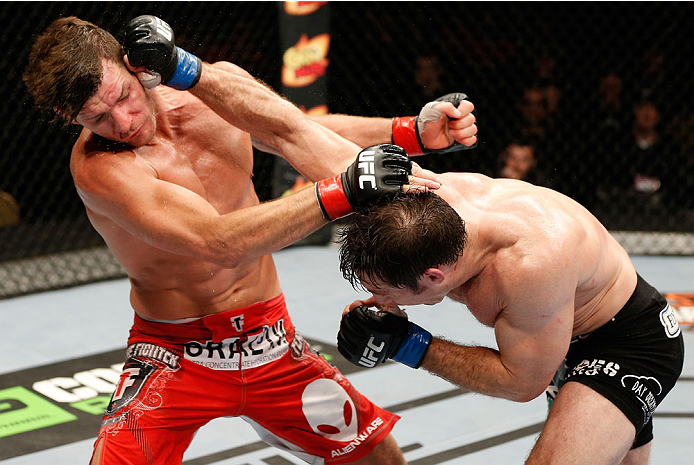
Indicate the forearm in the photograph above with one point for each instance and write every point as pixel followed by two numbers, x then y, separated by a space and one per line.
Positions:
pixel 478 369
pixel 232 93
pixel 314 150
pixel 262 229
pixel 363 131
pixel 246 103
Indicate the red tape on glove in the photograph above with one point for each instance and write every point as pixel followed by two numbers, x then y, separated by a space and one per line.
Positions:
pixel 332 199
pixel 405 134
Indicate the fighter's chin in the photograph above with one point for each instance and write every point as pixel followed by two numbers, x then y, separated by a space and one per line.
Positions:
pixel 141 137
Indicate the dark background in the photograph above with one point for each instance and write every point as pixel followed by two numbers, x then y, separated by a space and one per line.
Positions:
pixel 495 52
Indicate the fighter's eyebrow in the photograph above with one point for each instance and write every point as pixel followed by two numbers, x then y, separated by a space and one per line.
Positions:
pixel 99 115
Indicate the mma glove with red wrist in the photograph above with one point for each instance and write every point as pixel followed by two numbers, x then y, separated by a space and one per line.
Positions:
pixel 148 41
pixel 407 129
pixel 378 170
pixel 368 338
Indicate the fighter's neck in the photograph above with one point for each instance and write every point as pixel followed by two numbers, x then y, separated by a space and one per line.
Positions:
pixel 167 106
pixel 478 254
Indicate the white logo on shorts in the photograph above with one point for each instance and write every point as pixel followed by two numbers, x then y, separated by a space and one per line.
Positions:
pixel 646 388
pixel 329 410
pixel 669 322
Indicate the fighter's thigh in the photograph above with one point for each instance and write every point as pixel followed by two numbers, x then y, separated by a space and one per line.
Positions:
pixel 156 408
pixel 638 456
pixel 303 401
pixel 583 427
pixel 166 448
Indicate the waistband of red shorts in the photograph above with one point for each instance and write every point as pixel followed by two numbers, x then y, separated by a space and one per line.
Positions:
pixel 218 326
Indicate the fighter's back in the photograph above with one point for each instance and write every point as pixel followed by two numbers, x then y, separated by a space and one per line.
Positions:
pixel 524 220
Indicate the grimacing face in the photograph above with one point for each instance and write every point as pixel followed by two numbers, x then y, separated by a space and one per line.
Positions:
pixel 121 110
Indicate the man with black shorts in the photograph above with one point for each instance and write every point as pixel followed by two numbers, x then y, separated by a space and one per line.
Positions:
pixel 166 178
pixel 567 307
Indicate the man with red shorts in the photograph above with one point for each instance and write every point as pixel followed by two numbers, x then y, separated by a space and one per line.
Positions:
pixel 166 179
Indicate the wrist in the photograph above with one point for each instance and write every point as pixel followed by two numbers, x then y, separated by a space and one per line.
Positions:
pixel 405 134
pixel 415 347
pixel 332 199
pixel 188 70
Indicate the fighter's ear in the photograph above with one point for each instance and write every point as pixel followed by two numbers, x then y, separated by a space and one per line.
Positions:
pixel 435 275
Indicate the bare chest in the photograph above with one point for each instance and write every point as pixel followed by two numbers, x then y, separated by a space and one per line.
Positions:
pixel 481 299
pixel 213 160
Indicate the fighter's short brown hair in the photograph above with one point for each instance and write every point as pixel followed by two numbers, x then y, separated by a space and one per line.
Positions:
pixel 395 241
pixel 64 69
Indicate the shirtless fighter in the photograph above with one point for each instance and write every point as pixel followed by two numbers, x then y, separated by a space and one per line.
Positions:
pixel 567 307
pixel 165 176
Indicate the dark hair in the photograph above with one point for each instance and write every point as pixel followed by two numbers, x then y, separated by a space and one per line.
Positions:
pixel 64 69
pixel 395 241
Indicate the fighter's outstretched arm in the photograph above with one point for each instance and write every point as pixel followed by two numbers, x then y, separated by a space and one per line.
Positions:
pixel 313 149
pixel 165 215
pixel 440 125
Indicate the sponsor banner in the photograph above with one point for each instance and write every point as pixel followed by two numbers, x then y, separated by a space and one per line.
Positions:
pixel 61 403
pixel 56 404
pixel 305 43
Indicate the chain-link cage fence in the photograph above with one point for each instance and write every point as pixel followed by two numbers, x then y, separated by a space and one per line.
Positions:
pixel 591 99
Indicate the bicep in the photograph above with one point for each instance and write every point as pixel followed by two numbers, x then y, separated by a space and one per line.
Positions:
pixel 533 334
pixel 160 213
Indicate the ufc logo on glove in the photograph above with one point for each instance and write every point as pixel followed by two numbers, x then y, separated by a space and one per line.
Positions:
pixel 371 354
pixel 366 165
pixel 377 171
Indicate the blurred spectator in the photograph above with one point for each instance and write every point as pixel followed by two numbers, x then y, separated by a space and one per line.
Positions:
pixel 657 162
pixel 545 66
pixel 539 110
pixel 652 176
pixel 653 78
pixel 612 114
pixel 518 161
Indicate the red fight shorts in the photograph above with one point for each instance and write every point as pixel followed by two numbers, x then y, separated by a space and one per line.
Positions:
pixel 246 362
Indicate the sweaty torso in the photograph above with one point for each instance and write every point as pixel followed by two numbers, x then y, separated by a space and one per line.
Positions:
pixel 512 221
pixel 197 150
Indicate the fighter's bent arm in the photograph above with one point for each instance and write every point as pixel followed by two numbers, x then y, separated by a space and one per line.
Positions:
pixel 177 220
pixel 129 192
pixel 456 122
pixel 533 334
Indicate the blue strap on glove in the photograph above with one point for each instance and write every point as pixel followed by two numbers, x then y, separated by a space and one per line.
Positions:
pixel 415 346
pixel 187 71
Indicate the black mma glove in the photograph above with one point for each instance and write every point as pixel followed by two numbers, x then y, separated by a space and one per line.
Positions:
pixel 378 170
pixel 368 338
pixel 148 41
pixel 406 129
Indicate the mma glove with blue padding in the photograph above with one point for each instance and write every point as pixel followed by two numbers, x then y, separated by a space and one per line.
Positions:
pixel 148 41
pixel 368 338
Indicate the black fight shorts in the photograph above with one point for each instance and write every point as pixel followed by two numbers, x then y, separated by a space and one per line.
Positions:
pixel 633 360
